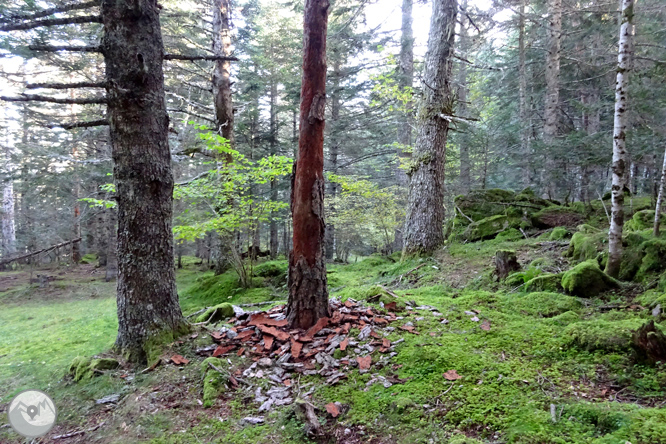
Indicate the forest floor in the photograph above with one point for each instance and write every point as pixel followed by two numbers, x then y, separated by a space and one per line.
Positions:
pixel 505 365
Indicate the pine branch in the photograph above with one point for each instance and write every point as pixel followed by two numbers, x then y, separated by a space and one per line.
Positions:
pixel 52 22
pixel 38 98
pixel 72 125
pixel 51 48
pixel 51 11
pixel 190 113
pixel 66 85
pixel 198 57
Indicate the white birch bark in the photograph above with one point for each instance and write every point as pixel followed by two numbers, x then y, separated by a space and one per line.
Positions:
pixel 660 199
pixel 619 140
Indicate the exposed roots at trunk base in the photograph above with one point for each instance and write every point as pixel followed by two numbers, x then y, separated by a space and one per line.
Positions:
pixel 308 295
pixel 147 349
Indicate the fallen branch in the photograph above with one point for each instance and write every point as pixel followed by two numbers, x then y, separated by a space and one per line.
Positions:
pixel 466 216
pixel 25 256
pixel 389 291
pixel 80 432
pixel 225 372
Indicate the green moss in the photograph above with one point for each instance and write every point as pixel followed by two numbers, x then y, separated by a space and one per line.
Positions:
pixel 654 258
pixel 545 282
pixel 88 258
pixel 479 204
pixel 104 364
pixel 83 368
pixel 459 438
pixel 564 319
pixel 214 382
pixel 558 233
pixel 401 404
pixel 217 313
pixel 486 228
pixel 154 345
pixel 641 220
pixel 585 246
pixel 511 234
pixel 587 280
pixel 542 304
pixel 601 334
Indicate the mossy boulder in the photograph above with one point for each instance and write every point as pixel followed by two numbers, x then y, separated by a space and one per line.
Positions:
pixel 217 313
pixel 480 204
pixel 587 280
pixel 511 234
pixel 654 258
pixel 214 382
pixel 82 368
pixel 545 282
pixel 641 220
pixel 486 228
pixel 556 216
pixel 601 334
pixel 564 319
pixel 558 233
pixel 585 245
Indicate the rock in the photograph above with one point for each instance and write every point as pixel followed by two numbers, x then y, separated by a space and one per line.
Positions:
pixel 654 258
pixel 252 420
pixel 217 313
pixel 586 244
pixel 641 220
pixel 479 204
pixel 486 228
pixel 587 280
pixel 82 368
pixel 545 282
pixel 265 362
pixel 111 399
pixel 557 217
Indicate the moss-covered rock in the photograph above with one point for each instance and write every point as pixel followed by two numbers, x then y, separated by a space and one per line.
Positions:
pixel 480 204
pixel 557 217
pixel 585 245
pixel 654 258
pixel 271 269
pixel 545 282
pixel 82 368
pixel 587 280
pixel 641 220
pixel 564 319
pixel 600 334
pixel 214 382
pixel 217 313
pixel 486 228
pixel 558 233
pixel 512 234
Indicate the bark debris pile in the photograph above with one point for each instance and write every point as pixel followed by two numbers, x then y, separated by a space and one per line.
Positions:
pixel 327 349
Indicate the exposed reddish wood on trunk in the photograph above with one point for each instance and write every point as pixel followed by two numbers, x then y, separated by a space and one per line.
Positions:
pixel 308 296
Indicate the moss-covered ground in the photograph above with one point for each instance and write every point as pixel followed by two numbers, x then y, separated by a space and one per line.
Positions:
pixel 536 366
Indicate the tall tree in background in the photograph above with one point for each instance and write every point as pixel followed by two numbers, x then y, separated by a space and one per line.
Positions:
pixel 620 156
pixel 522 98
pixel 461 108
pixel 224 109
pixel 147 298
pixel 308 295
pixel 552 98
pixel 425 208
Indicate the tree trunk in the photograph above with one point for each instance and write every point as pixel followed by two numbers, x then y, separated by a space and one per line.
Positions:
pixel 308 295
pixel 102 236
pixel 660 199
pixel 274 241
pixel 619 141
pixel 525 120
pixel 405 80
pixel 111 254
pixel 505 263
pixel 224 109
pixel 552 98
pixel 334 131
pixel 148 308
pixel 425 207
pixel 7 216
pixel 463 45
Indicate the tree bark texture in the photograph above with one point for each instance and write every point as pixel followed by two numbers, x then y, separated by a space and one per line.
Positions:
pixel 148 306
pixel 660 199
pixel 308 295
pixel 552 99
pixel 620 156
pixel 224 110
pixel 522 94
pixel 425 207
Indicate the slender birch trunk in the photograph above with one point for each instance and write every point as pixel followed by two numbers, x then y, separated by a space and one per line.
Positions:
pixel 425 207
pixel 619 141
pixel 660 199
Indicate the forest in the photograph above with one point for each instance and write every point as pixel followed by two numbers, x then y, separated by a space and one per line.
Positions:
pixel 333 221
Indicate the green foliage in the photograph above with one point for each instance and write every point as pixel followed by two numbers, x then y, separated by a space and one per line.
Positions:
pixel 217 313
pixel 641 220
pixel 542 304
pixel 558 233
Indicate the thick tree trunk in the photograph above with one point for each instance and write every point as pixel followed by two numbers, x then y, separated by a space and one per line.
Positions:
pixel 619 141
pixel 148 308
pixel 425 207
pixel 552 99
pixel 525 120
pixel 660 199
pixel 334 147
pixel 308 295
